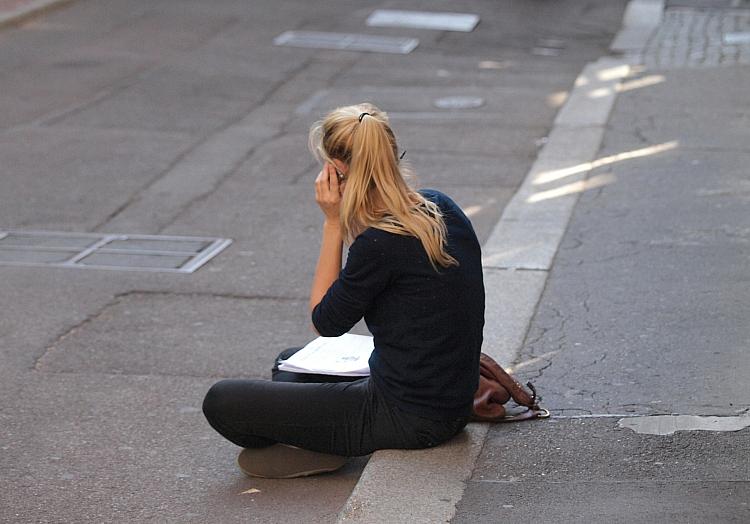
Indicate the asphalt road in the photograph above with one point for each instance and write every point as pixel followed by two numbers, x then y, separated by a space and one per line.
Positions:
pixel 181 117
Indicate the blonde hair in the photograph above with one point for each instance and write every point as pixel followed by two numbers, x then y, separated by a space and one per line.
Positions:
pixel 377 194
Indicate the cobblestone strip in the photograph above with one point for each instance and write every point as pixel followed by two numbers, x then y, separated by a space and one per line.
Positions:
pixel 694 38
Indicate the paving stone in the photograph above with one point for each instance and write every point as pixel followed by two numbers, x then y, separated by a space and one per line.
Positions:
pixel 688 32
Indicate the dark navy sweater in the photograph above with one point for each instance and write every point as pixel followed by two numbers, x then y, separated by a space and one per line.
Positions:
pixel 426 325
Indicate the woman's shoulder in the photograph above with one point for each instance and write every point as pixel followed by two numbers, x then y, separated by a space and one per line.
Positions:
pixel 433 195
pixel 444 202
pixel 373 239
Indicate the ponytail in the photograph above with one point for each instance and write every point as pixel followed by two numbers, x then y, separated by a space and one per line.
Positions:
pixel 377 194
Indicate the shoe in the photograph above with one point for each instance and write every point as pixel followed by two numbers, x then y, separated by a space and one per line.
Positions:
pixel 281 461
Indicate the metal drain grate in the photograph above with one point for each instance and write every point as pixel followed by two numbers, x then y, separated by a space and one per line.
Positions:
pixel 464 22
pixel 347 42
pixel 175 254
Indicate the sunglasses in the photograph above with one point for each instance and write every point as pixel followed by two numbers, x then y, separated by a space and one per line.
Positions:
pixel 341 176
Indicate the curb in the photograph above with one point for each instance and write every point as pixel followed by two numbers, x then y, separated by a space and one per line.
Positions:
pixel 29 9
pixel 640 20
pixel 426 485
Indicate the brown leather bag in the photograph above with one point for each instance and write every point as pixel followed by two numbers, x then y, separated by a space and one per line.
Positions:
pixel 496 387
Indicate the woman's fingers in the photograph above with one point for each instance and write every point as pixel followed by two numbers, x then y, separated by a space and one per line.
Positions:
pixel 327 185
pixel 327 192
pixel 333 178
pixel 319 186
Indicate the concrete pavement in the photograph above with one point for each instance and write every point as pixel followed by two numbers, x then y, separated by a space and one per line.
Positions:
pixel 183 118
pixel 644 314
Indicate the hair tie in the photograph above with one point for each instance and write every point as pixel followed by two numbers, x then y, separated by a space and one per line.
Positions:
pixel 363 115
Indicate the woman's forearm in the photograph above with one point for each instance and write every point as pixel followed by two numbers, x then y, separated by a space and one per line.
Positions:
pixel 329 261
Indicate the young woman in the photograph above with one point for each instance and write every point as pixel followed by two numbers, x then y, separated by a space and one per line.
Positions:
pixel 413 271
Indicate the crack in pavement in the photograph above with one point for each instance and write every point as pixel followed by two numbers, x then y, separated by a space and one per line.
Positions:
pixel 283 130
pixel 119 297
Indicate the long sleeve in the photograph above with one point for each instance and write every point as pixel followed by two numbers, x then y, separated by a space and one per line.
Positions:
pixel 364 276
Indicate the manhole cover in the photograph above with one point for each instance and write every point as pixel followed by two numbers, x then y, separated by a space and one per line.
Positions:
pixel 459 102
pixel 464 22
pixel 347 42
pixel 175 254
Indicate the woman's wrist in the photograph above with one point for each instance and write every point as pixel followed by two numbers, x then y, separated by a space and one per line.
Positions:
pixel 332 224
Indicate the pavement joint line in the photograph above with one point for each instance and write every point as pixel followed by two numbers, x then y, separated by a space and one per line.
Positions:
pixel 216 179
pixel 309 105
pixel 198 163
pixel 213 295
pixel 184 165
pixel 117 298
pixel 438 495
pixel 90 373
pixel 28 10
pixel 56 115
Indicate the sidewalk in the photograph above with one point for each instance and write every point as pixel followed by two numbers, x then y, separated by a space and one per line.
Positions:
pixel 645 313
pixel 639 340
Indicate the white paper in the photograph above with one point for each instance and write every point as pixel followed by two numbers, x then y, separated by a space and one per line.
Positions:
pixel 346 355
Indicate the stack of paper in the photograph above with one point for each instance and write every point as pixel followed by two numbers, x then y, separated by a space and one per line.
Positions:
pixel 346 355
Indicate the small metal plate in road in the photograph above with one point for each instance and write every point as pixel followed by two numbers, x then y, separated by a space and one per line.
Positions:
pixel 176 254
pixel 347 42
pixel 459 102
pixel 464 22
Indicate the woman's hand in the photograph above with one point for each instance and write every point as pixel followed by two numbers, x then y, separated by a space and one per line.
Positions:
pixel 328 192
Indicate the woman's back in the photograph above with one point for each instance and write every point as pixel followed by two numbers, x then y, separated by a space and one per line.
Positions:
pixel 427 324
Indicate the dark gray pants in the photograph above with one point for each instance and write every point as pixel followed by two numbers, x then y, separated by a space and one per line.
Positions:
pixel 325 413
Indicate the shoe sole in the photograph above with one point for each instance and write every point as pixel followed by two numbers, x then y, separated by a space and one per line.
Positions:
pixel 280 461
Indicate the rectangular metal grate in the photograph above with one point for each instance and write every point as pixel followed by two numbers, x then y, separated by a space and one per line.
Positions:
pixel 174 254
pixel 464 22
pixel 347 42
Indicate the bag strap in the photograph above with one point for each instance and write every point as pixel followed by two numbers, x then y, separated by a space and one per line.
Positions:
pixel 519 393
pixel 529 414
